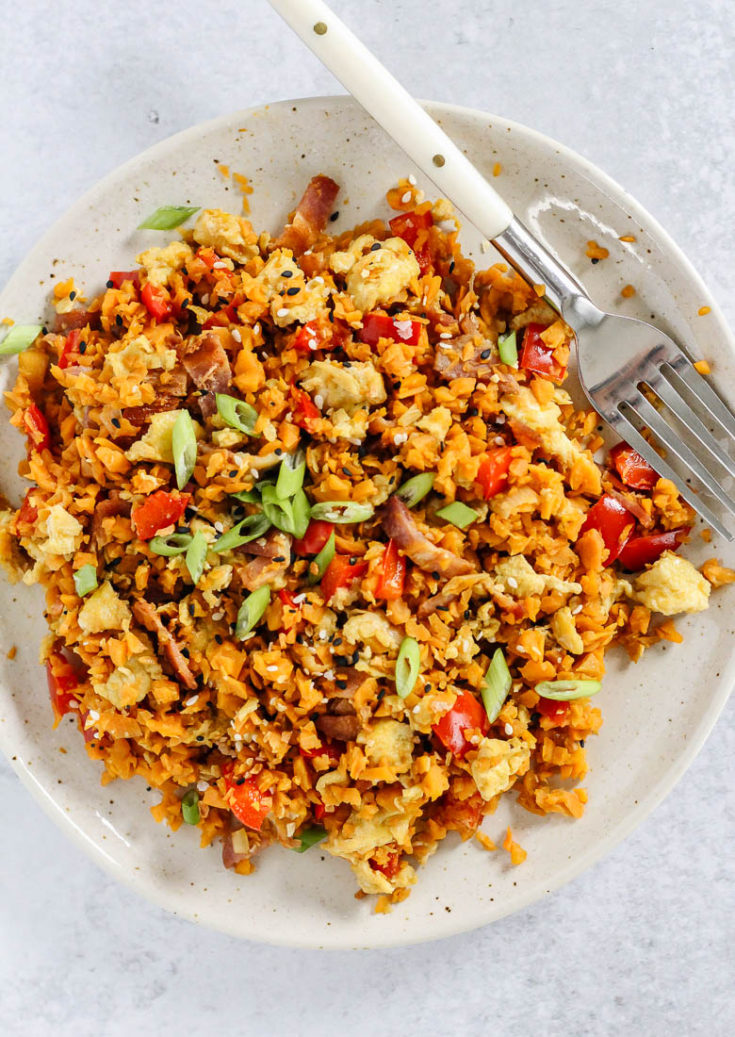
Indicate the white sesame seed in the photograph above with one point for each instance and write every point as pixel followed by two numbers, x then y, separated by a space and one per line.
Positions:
pixel 308 252
pixel 283 312
pixel 323 635
pixel 446 334
pixel 205 299
pixel 192 701
pixel 319 401
pixel 485 245
pixel 93 715
pixel 365 273
pixel 512 582
pixel 509 729
pixel 202 786
pixel 317 280
pixel 412 180
pixel 500 419
pixel 219 527
pixel 499 441
pixel 271 669
pixel 254 472
pixel 576 610
pixel 219 265
pixel 298 598
pixel 256 329
pixel 329 674
pixel 217 616
pixel 406 198
pixel 400 439
pixel 236 335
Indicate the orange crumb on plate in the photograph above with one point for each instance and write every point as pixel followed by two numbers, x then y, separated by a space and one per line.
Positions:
pixel 703 367
pixel 540 290
pixel 223 169
pixel 595 251
pixel 517 853
pixel 485 841
pixel 706 535
pixel 627 237
pixel 13 652
pixel 497 169
pixel 628 291
pixel 704 310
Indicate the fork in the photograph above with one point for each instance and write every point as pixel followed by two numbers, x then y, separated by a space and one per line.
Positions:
pixel 617 355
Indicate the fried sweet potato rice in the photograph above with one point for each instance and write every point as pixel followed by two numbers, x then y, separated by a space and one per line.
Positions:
pixel 326 552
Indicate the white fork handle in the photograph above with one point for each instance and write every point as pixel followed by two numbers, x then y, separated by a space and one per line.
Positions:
pixel 397 112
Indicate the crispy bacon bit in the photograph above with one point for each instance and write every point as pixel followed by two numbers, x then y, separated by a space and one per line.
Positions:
pixel 343 729
pixel 229 857
pixel 208 366
pixel 274 545
pixel 140 416
pixel 147 615
pixel 105 509
pixel 66 322
pixel 310 217
pixel 629 501
pixel 399 525
pixel 450 362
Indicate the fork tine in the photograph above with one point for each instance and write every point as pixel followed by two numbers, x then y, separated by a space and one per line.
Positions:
pixel 704 392
pixel 676 403
pixel 625 427
pixel 676 446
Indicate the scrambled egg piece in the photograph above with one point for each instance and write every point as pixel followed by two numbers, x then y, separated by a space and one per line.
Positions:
pixel 372 628
pixel 344 387
pixel 155 445
pixel 672 585
pixel 463 648
pixel 130 683
pixel 437 423
pixel 376 277
pixel 350 427
pixel 519 578
pixel 390 742
pixel 104 610
pixel 160 263
pixel 280 274
pixel 137 357
pixel 565 631
pixel 227 234
pixel 544 420
pixel 497 764
pixel 63 532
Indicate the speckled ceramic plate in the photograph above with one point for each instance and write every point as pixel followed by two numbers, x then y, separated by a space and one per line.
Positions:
pixel 656 717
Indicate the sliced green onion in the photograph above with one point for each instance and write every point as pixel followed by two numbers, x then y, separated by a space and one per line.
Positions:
pixel 174 544
pixel 20 337
pixel 341 512
pixel 319 564
pixel 290 516
pixel 309 837
pixel 251 611
pixel 85 580
pixel 407 666
pixel 291 475
pixel 458 514
pixel 496 685
pixel 168 216
pixel 236 413
pixel 301 511
pixel 563 691
pixel 184 448
pixel 247 496
pixel 190 807
pixel 508 349
pixel 196 556
pixel 415 489
pixel 251 527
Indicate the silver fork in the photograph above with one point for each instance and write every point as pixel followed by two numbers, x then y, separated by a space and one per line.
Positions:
pixel 616 355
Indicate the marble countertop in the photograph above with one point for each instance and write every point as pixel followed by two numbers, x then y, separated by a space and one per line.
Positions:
pixel 641 943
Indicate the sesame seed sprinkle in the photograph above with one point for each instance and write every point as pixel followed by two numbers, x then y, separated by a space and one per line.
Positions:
pixel 283 312
pixel 406 198
pixel 509 729
pixel 236 335
pixel 412 180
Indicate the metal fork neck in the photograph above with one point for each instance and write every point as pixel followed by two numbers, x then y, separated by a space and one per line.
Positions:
pixel 536 264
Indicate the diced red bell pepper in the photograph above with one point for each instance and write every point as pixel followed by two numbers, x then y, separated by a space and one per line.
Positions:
pixel 612 521
pixel 157 511
pixel 312 336
pixel 466 713
pixel 118 277
pixel 639 551
pixel 392 575
pixel 633 469
pixel 492 474
pixel 553 709
pixel 286 598
pixel 391 866
pixel 70 348
pixel 247 802
pixel 325 749
pixel 28 512
pixel 379 325
pixel 36 428
pixel 305 411
pixel 62 681
pixel 340 572
pixel 316 535
pixel 409 226
pixel 319 811
pixel 208 256
pixel 157 300
pixel 536 356
pixel 222 318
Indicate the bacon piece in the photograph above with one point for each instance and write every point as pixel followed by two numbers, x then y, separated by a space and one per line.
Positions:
pixel 629 501
pixel 145 613
pixel 66 322
pixel 140 416
pixel 310 217
pixel 229 857
pixel 344 728
pixel 208 365
pixel 399 525
pixel 449 362
pixel 274 545
pixel 104 509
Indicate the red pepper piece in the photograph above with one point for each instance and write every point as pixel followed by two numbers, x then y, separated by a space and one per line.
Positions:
pixel 536 356
pixel 492 474
pixel 391 866
pixel 413 227
pixel 305 411
pixel 639 551
pixel 612 521
pixel 118 277
pixel 340 572
pixel 467 712
pixel 379 325
pixel 62 681
pixel 27 513
pixel 157 511
pixel 314 539
pixel 247 802
pixel 157 301
pixel 70 348
pixel 393 574
pixel 633 469
pixel 222 318
pixel 325 749
pixel 36 428
pixel 554 710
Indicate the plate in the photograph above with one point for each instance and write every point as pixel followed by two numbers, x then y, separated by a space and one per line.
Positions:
pixel 657 714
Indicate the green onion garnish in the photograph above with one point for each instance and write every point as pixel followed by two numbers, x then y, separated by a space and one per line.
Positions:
pixel 407 666
pixel 184 448
pixel 251 611
pixel 342 512
pixel 196 556
pixel 85 580
pixel 301 511
pixel 249 496
pixel 458 514
pixel 496 685
pixel 20 337
pixel 174 544
pixel 291 475
pixel 309 836
pixel 563 691
pixel 415 489
pixel 290 516
pixel 508 349
pixel 168 216
pixel 236 413
pixel 190 807
pixel 251 527
pixel 320 563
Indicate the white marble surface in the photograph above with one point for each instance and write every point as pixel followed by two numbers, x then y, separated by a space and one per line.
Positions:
pixel 642 943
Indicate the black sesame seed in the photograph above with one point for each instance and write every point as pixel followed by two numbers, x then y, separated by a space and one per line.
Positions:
pixel 353 561
pixel 451 267
pixel 200 738
pixel 337 642
pixel 331 317
pixel 581 743
pixel 334 216
pixel 118 319
pixel 192 610
pixel 355 656
pixel 184 304
pixel 436 575
pixel 485 355
pixel 293 291
pixel 279 558
pixel 233 474
pixel 239 781
pixel 442 608
pixel 594 262
pixel 472 412
pixel 278 451
pixel 115 562
pixel 341 684
pixel 467 614
pixel 287 273
pixel 381 693
pixel 375 247
pixel 109 284
pixel 72 296
pixel 346 471
pixel 185 652
pixel 218 639
pixel 82 347
pixel 116 422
